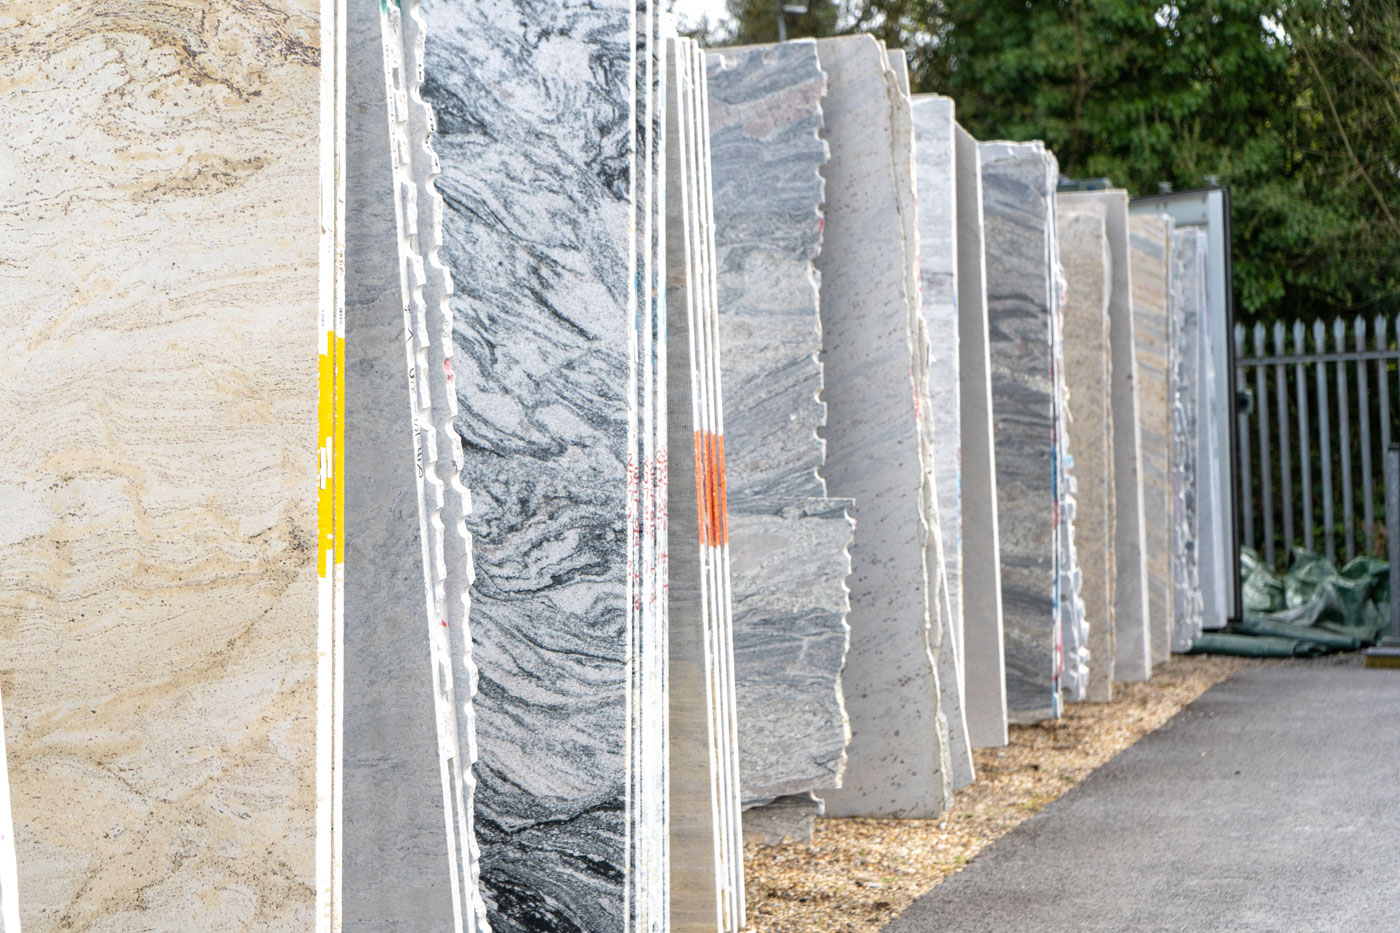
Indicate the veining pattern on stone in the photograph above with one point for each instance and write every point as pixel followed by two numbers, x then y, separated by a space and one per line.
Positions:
pixel 1188 303
pixel 1014 191
pixel 789 543
pixel 1149 239
pixel 1084 254
pixel 158 603
pixel 895 767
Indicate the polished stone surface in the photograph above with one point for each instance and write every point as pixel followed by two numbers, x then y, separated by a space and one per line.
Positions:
pixel 1131 659
pixel 158 580
pixel 1015 189
pixel 938 261
pixel 540 197
pixel 1149 247
pixel 984 664
pixel 873 451
pixel 1084 254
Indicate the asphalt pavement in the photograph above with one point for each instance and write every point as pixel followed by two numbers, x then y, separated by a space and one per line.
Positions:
pixel 1270 803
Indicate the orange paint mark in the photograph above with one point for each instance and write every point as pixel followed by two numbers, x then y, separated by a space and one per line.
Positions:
pixel 710 493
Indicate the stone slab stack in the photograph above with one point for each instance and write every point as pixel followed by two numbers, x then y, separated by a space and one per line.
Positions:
pixel 790 541
pixel 1016 190
pixel 937 203
pixel 1149 239
pixel 897 756
pixel 1131 660
pixel 1084 254
pixel 1188 308
pixel 984 657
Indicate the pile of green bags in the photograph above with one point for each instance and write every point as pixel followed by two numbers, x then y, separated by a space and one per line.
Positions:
pixel 1312 609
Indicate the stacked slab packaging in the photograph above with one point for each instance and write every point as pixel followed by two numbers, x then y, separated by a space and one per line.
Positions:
pixel 869 315
pixel 790 541
pixel 937 202
pixel 1188 304
pixel 578 226
pixel 1016 186
pixel 169 580
pixel 1149 243
pixel 1130 660
pixel 1084 253
pixel 984 657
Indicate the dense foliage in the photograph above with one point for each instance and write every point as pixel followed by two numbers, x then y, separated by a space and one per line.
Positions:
pixel 1294 105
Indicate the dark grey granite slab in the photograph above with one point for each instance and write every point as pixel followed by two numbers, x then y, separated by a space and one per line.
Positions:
pixel 1131 658
pixel 895 766
pixel 984 659
pixel 1015 190
pixel 539 149
pixel 789 556
pixel 1149 238
pixel 1084 254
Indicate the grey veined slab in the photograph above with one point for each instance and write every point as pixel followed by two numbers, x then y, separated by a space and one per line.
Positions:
pixel 1015 191
pixel 1131 647
pixel 1084 254
pixel 789 542
pixel 1188 308
pixel 895 766
pixel 938 283
pixel 984 658
pixel 1149 239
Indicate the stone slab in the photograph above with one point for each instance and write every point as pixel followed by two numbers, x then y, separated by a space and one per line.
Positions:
pixel 1131 649
pixel 1084 254
pixel 1188 307
pixel 1014 192
pixel 984 670
pixel 873 455
pixel 1149 239
pixel 158 570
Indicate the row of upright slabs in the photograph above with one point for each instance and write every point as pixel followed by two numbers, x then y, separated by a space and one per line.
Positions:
pixel 707 440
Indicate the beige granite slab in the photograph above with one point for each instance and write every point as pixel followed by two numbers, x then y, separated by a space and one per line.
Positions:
pixel 158 476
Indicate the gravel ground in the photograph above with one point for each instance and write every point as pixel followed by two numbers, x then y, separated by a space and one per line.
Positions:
pixel 858 874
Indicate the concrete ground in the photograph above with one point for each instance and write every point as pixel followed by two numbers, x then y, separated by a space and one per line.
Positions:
pixel 1270 803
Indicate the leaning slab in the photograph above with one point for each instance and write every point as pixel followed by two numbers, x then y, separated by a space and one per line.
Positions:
pixel 1188 311
pixel 1131 658
pixel 1015 190
pixel 1149 239
pixel 896 767
pixel 984 659
pixel 1084 254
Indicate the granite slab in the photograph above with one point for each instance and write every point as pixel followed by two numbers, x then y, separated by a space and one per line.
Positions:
pixel 1149 241
pixel 936 215
pixel 9 870
pixel 984 670
pixel 895 766
pixel 790 602
pixel 542 190
pixel 1084 253
pixel 1131 649
pixel 159 280
pixel 1015 190
pixel 1188 304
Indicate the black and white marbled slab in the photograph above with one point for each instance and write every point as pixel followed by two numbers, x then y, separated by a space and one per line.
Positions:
pixel 1131 658
pixel 1015 189
pixel 873 448
pixel 984 659
pixel 789 562
pixel 1084 255
pixel 1149 244
pixel 537 142
pixel 935 200
pixel 1188 304
pixel 789 553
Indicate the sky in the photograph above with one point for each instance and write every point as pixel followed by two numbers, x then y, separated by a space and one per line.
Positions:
pixel 690 11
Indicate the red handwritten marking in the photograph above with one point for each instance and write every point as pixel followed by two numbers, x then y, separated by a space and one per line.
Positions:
pixel 447 368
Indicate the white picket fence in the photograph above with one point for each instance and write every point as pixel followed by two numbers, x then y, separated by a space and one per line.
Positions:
pixel 1321 410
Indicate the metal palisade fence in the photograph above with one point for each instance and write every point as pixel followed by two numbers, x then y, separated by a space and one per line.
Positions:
pixel 1314 422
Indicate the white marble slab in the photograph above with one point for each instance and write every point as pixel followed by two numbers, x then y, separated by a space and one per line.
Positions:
pixel 895 766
